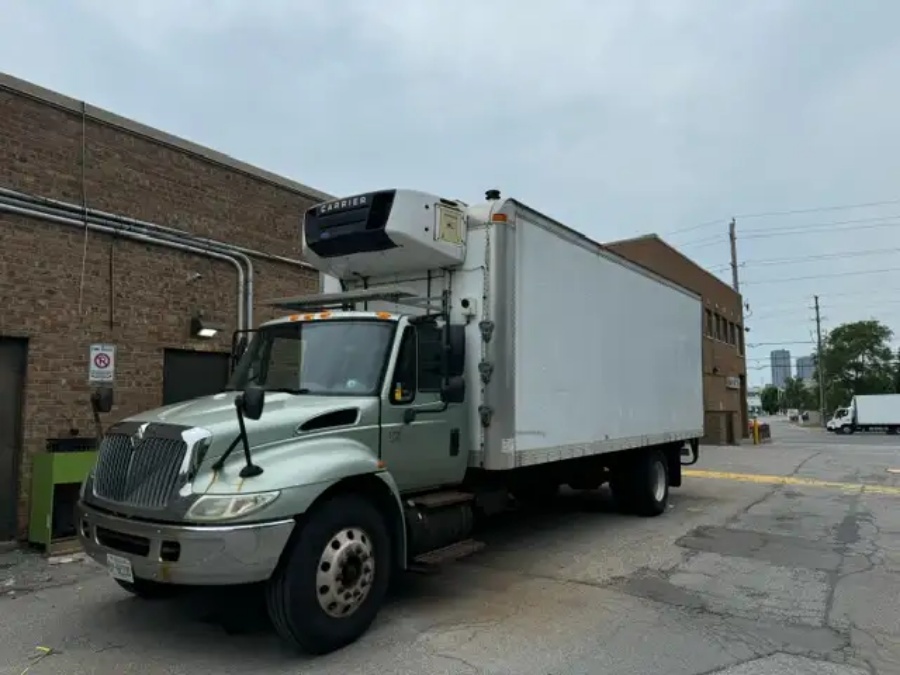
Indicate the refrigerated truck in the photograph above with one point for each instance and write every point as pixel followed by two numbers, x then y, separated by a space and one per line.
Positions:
pixel 474 357
pixel 869 412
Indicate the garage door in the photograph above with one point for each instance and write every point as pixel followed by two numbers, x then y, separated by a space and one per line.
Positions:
pixel 188 374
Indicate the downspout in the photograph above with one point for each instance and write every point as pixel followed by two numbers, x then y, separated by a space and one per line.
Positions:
pixel 145 238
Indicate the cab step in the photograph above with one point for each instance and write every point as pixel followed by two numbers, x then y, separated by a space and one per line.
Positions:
pixel 435 500
pixel 433 560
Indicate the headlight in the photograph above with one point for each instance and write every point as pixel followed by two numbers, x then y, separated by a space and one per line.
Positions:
pixel 221 507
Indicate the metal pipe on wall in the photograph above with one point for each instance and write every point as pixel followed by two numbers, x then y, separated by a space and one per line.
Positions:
pixel 145 238
pixel 262 255
pixel 114 219
pixel 33 204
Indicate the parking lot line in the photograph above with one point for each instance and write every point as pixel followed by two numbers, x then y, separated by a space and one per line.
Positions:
pixel 793 480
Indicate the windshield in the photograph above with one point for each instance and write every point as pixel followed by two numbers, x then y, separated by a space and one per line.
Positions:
pixel 340 357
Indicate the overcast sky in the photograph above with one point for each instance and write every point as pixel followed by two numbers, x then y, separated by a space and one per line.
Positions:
pixel 617 117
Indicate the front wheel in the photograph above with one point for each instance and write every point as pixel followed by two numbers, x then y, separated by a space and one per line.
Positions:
pixel 334 577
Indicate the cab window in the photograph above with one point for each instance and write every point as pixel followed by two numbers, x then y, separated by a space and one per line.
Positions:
pixel 430 351
pixel 405 379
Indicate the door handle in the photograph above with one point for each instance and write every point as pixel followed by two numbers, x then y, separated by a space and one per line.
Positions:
pixel 454 442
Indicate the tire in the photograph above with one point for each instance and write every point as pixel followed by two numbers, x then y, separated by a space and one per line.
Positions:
pixel 149 590
pixel 641 485
pixel 345 535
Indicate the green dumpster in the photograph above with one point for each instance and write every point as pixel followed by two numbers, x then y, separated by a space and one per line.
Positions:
pixel 56 477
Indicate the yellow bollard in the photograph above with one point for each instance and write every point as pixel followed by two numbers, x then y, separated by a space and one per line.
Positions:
pixel 756 432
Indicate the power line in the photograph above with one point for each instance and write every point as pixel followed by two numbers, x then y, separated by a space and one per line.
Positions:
pixel 797 309
pixel 817 257
pixel 782 232
pixel 828 223
pixel 780 344
pixel 771 214
pixel 830 226
pixel 817 209
pixel 691 228
pixel 820 276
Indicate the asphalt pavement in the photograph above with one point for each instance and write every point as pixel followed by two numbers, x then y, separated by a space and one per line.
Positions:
pixel 781 558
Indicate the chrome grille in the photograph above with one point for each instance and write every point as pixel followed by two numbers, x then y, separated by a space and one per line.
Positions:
pixel 143 474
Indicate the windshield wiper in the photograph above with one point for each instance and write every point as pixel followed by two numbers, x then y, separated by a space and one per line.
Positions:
pixel 288 390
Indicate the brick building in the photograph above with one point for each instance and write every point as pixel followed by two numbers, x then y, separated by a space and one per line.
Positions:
pixel 724 364
pixel 64 287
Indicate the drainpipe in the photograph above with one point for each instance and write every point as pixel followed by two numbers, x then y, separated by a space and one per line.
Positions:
pixel 144 238
pixel 67 209
pixel 71 211
pixel 114 218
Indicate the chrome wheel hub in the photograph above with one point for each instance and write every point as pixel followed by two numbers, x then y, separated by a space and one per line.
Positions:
pixel 345 573
pixel 659 481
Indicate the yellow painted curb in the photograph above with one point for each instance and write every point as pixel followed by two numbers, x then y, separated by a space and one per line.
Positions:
pixel 792 480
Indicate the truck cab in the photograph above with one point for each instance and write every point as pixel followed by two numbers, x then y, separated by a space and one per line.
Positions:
pixel 839 420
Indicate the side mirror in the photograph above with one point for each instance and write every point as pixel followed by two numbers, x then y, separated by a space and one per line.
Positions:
pixel 454 390
pixel 239 342
pixel 456 359
pixel 252 401
pixel 102 400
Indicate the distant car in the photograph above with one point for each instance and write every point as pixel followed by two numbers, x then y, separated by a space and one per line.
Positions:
pixel 793 414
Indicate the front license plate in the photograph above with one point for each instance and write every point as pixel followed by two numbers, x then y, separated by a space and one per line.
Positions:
pixel 119 568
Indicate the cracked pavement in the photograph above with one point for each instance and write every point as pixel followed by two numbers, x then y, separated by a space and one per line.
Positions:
pixel 740 577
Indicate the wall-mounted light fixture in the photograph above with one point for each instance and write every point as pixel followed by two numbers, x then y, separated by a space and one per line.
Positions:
pixel 201 328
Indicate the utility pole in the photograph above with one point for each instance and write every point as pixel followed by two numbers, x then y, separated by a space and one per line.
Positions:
pixel 819 365
pixel 734 265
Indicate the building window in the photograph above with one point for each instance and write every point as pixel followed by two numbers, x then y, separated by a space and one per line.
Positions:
pixel 732 333
pixel 719 330
pixel 709 323
pixel 740 345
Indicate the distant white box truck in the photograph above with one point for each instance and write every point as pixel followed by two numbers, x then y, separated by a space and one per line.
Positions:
pixel 472 356
pixel 870 412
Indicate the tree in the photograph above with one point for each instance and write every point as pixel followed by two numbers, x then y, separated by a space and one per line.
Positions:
pixel 897 373
pixel 769 399
pixel 797 394
pixel 857 359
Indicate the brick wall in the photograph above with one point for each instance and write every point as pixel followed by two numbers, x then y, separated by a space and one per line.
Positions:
pixel 723 350
pixel 137 296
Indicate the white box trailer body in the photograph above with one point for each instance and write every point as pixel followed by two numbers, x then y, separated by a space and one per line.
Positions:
pixel 588 353
pixel 876 410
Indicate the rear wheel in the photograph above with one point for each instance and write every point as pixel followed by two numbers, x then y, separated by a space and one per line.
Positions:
pixel 334 577
pixel 640 485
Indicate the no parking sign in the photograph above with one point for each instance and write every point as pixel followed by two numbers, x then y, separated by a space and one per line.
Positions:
pixel 102 364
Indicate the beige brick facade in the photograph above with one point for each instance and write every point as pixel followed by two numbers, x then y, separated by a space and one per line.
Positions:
pixel 63 290
pixel 724 363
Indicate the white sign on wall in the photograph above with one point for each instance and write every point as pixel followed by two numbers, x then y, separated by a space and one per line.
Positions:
pixel 102 364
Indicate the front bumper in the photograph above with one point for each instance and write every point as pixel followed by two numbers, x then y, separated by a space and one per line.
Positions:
pixel 185 554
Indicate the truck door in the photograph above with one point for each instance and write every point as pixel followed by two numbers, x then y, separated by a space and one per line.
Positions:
pixel 420 446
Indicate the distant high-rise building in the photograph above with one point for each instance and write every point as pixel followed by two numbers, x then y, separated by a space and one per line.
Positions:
pixel 781 366
pixel 806 368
